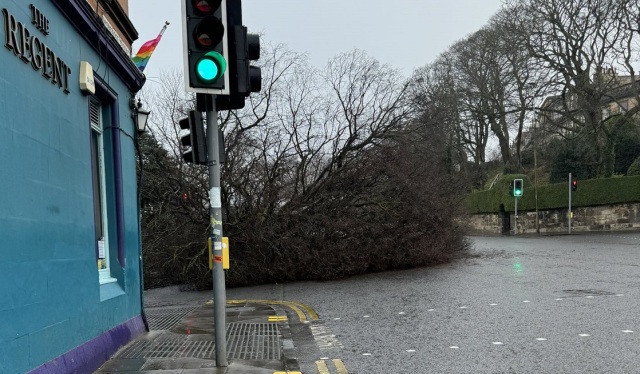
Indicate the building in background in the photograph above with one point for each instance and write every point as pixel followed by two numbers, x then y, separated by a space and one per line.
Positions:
pixel 70 280
pixel 560 116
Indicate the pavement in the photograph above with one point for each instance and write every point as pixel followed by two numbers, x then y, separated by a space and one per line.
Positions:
pixel 181 337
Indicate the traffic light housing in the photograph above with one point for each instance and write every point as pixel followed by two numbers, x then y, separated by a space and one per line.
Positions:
pixel 195 142
pixel 243 48
pixel 518 187
pixel 205 40
pixel 574 185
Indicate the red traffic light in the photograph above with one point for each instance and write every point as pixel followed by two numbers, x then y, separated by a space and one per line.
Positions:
pixel 574 185
pixel 208 33
pixel 205 7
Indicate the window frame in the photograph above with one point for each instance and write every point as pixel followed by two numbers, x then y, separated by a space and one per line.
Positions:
pixel 98 165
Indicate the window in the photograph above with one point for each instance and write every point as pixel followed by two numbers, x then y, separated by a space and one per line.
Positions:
pixel 100 200
pixel 624 106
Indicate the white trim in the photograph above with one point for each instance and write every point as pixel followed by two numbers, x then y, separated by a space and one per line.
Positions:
pixel 97 127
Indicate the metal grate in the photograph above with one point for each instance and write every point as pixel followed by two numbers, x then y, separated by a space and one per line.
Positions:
pixel 245 341
pixel 163 348
pixel 167 317
pixel 253 341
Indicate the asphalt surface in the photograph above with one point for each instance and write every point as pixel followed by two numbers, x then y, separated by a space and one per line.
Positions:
pixel 555 304
pixel 559 304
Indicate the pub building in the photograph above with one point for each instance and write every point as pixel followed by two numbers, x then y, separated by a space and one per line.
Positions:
pixel 70 274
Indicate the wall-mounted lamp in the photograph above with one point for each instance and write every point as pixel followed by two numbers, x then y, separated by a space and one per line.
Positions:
pixel 140 116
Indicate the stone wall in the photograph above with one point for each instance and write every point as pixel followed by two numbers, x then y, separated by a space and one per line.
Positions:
pixel 599 218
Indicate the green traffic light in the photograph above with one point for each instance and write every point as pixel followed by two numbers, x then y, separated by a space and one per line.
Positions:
pixel 211 67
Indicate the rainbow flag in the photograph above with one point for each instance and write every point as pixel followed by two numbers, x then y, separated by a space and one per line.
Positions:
pixel 145 51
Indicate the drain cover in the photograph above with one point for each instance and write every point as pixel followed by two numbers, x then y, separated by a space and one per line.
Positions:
pixel 253 341
pixel 245 341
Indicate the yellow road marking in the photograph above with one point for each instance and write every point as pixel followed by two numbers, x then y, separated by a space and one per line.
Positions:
pixel 340 366
pixel 299 312
pixel 287 372
pixel 277 318
pixel 322 367
pixel 295 306
pixel 312 313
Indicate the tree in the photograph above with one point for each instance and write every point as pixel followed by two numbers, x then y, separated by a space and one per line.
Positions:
pixel 578 42
pixel 624 136
pixel 172 224
pixel 573 156
pixel 319 165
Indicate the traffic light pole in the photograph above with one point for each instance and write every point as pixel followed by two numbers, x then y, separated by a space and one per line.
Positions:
pixel 215 214
pixel 515 217
pixel 570 213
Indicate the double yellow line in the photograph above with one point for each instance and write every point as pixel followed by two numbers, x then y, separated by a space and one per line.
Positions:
pixel 337 363
pixel 304 312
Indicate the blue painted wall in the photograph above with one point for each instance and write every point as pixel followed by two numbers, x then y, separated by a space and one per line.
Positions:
pixel 50 297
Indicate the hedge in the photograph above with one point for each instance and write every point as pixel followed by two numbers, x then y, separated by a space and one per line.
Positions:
pixel 590 192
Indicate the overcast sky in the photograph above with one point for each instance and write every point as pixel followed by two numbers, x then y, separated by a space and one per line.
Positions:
pixel 403 33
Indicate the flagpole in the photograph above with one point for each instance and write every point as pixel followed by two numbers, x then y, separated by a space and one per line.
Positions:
pixel 146 50
pixel 166 23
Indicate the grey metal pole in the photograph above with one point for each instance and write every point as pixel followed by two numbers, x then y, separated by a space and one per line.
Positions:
pixel 535 173
pixel 515 216
pixel 569 203
pixel 215 213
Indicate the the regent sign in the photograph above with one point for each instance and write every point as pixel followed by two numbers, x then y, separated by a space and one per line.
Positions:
pixel 31 50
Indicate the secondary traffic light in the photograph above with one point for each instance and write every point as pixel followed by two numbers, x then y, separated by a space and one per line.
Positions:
pixel 574 185
pixel 206 50
pixel 243 48
pixel 195 142
pixel 518 187
pixel 254 72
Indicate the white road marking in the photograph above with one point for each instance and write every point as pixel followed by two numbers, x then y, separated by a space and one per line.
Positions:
pixel 402 313
pixel 493 304
pixel 497 343
pixel 366 316
pixel 541 339
pixel 627 331
pixel 366 354
pixel 584 335
pixel 526 301
pixel 454 347
pixel 325 339
pixel 411 350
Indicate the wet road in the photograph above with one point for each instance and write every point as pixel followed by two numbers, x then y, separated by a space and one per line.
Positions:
pixel 560 304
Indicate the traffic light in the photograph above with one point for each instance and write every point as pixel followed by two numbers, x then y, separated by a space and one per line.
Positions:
pixel 254 73
pixel 243 48
pixel 518 187
pixel 206 52
pixel 195 141
pixel 574 185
